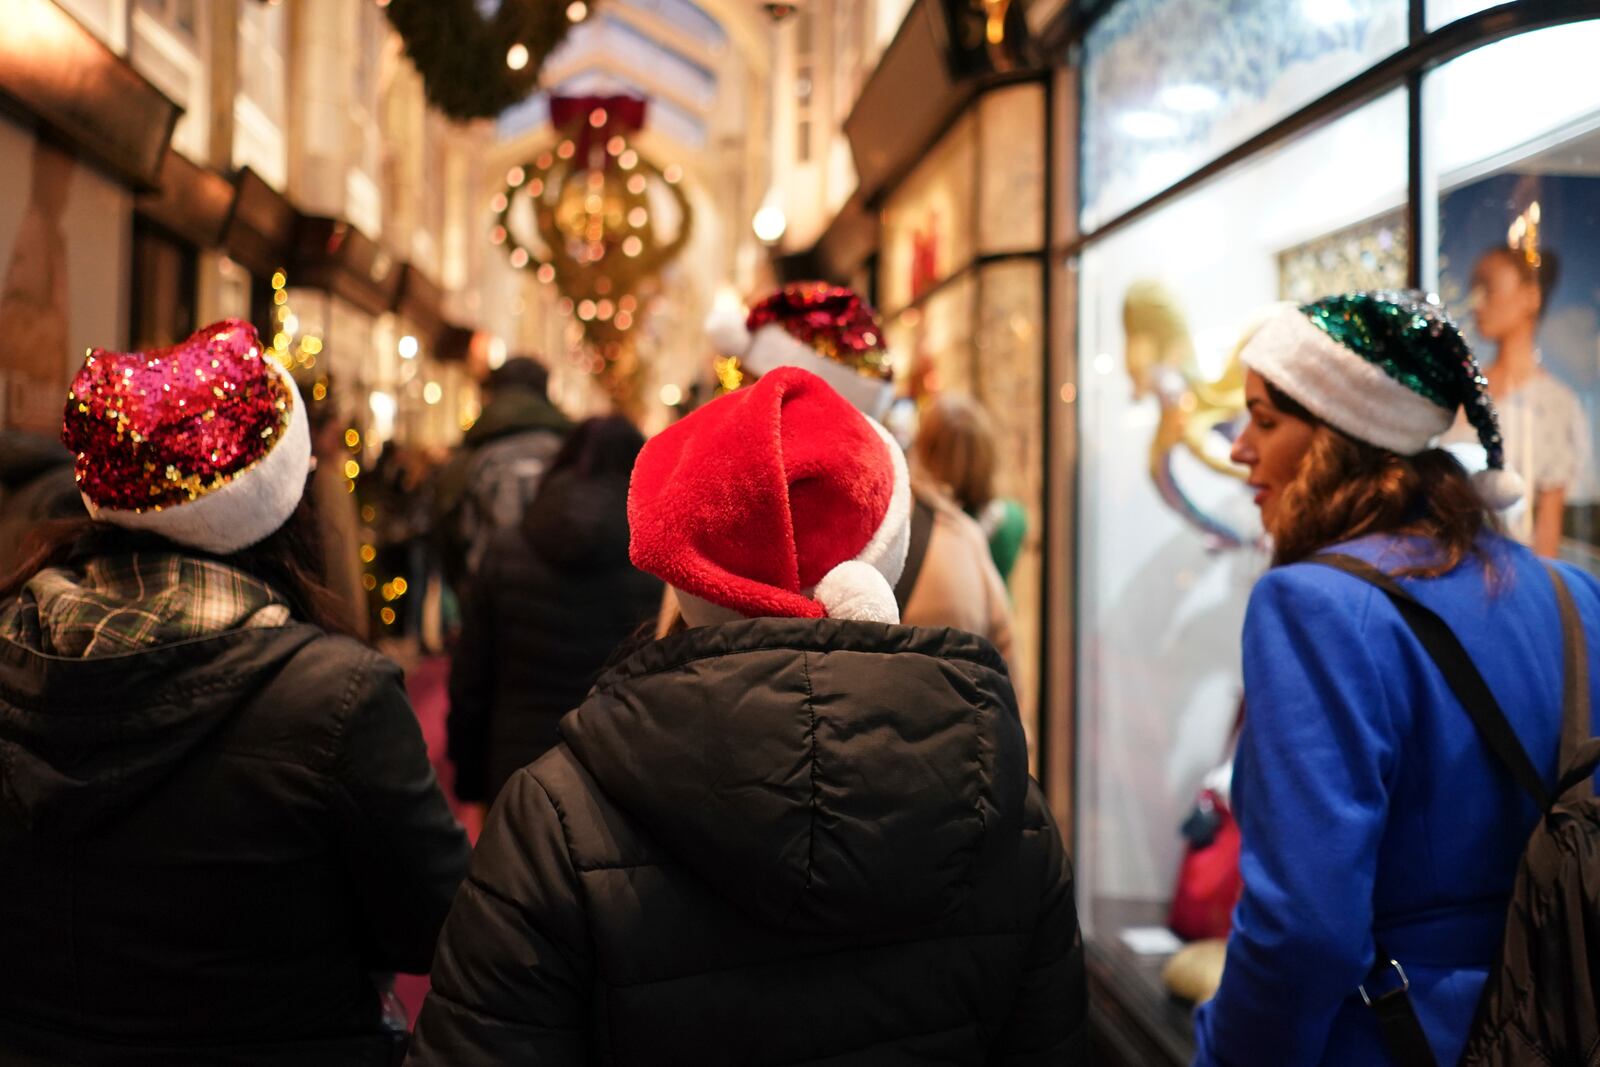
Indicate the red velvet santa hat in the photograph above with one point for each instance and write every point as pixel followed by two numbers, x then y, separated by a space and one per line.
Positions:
pixel 780 499
pixel 205 443
pixel 823 328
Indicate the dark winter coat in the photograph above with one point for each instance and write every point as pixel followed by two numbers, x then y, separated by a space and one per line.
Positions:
pixel 551 603
pixel 206 848
pixel 777 841
pixel 36 484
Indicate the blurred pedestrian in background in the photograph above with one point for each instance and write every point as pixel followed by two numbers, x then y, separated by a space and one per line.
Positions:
pixel 490 481
pixel 553 598
pixel 955 450
pixel 216 812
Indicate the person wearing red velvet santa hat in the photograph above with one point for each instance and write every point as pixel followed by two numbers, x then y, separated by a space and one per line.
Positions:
pixel 218 822
pixel 795 831
pixel 949 578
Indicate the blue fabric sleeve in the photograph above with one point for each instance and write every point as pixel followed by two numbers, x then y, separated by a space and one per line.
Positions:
pixel 1311 792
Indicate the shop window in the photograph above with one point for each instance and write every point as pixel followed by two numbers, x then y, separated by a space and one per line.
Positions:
pixel 1513 153
pixel 1168 539
pixel 928 222
pixel 1169 85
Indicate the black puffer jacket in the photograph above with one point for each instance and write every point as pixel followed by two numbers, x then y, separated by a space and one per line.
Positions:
pixel 206 848
pixel 549 606
pixel 771 842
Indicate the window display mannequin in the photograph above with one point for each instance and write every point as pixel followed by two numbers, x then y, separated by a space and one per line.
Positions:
pixel 1543 424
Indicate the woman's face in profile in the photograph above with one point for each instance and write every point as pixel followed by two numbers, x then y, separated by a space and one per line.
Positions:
pixel 1503 299
pixel 1272 447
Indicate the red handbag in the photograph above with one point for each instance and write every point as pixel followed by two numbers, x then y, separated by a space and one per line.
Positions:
pixel 1209 882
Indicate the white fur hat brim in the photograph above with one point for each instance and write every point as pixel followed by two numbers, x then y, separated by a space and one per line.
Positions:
pixel 772 347
pixel 1340 387
pixel 246 509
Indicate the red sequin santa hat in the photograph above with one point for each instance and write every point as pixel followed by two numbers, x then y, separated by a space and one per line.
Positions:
pixel 205 443
pixel 780 499
pixel 826 329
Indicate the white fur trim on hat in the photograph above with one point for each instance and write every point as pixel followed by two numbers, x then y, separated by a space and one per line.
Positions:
pixel 726 331
pixel 856 590
pixel 1340 387
pixel 772 347
pixel 248 508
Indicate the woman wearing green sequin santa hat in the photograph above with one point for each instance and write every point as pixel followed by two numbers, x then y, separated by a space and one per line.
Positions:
pixel 1371 810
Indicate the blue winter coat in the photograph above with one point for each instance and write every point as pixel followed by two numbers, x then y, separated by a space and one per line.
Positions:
pixel 1368 802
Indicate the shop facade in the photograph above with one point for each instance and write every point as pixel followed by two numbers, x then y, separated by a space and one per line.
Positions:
pixel 1286 152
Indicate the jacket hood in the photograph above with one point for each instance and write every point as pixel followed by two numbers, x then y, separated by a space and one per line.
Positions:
pixel 579 522
pixel 826 776
pixel 516 410
pixel 70 758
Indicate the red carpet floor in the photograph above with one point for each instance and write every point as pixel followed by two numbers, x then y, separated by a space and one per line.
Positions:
pixel 426 683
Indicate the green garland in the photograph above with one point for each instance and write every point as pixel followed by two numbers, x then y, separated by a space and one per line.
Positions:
pixel 462 56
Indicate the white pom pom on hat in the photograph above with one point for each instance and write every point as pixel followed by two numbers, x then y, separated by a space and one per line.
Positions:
pixel 725 329
pixel 1499 487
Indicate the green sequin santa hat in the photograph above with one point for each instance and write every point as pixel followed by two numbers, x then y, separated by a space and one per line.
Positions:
pixel 1388 368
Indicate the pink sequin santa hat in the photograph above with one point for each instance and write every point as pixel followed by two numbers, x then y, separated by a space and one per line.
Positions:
pixel 205 443
pixel 825 329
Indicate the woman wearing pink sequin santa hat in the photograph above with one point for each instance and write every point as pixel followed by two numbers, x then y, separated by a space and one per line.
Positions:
pixel 949 578
pixel 225 813
pixel 794 832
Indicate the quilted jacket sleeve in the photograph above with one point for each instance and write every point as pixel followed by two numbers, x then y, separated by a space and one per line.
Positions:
pixel 512 974
pixel 403 851
pixel 1049 1024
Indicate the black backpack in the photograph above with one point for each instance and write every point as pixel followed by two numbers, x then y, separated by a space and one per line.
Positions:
pixel 1541 1003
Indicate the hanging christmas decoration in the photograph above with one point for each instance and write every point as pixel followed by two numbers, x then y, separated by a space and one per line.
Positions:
pixel 475 67
pixel 580 216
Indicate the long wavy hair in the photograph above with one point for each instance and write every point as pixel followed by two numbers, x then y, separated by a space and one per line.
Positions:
pixel 1347 489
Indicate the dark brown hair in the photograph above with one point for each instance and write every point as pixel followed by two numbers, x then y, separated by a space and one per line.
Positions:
pixel 1347 489
pixel 290 560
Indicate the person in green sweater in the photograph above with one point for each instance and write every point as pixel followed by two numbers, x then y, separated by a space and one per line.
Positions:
pixel 955 448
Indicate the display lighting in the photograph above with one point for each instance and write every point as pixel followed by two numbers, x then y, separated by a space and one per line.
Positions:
pixel 769 224
pixel 577 11
pixel 432 393
pixel 1328 12
pixel 1148 125
pixel 1190 99
pixel 407 347
pixel 671 395
pixel 517 56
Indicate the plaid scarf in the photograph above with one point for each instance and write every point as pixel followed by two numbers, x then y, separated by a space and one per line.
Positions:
pixel 136 600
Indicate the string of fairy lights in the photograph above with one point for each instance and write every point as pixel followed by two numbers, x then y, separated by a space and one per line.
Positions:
pixel 299 354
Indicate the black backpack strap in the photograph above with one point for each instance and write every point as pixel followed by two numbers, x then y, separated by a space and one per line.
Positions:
pixel 1403 1036
pixel 1580 751
pixel 1444 648
pixel 916 551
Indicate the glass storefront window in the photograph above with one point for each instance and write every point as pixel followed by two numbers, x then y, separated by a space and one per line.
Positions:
pixel 1443 12
pixel 1168 537
pixel 927 223
pixel 1513 151
pixel 1170 85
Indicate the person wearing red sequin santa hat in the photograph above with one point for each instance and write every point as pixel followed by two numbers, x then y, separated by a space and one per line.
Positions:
pixel 178 719
pixel 793 785
pixel 949 578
